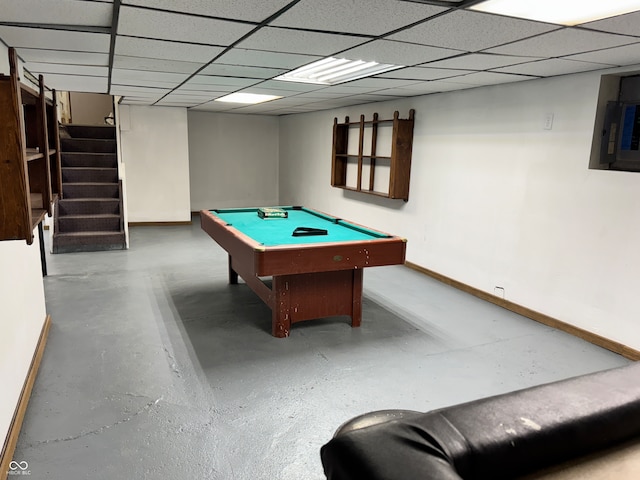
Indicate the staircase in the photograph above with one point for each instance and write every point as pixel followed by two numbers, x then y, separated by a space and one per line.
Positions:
pixel 89 217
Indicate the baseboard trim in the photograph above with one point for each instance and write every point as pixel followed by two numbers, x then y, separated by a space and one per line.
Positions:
pixel 16 424
pixel 590 337
pixel 159 224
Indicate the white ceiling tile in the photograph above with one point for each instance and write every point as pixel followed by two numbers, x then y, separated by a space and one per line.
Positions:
pixel 423 73
pixel 222 81
pixel 190 94
pixel 122 76
pixel 143 92
pixel 626 55
pixel 298 41
pixel 144 47
pixel 290 101
pixel 271 91
pixel 563 42
pixel 372 97
pixel 402 92
pixel 424 89
pixel 291 86
pixel 326 93
pixel 242 71
pixel 397 53
pixel 294 110
pixel 369 17
pixel 418 89
pixel 150 84
pixel 375 82
pixel 77 83
pixel 55 39
pixel 550 67
pixel 200 93
pixel 195 99
pixel 48 68
pixel 169 103
pixel 66 12
pixel 341 102
pixel 478 61
pixel 191 87
pixel 173 26
pixel 261 108
pixel 63 56
pixel 287 111
pixel 323 94
pixel 154 64
pixel 216 107
pixel 251 11
pixel 241 56
pixel 488 78
pixel 625 24
pixel 471 31
pixel 437 86
pixel 344 90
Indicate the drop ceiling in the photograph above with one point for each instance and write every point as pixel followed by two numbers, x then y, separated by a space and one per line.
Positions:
pixel 187 53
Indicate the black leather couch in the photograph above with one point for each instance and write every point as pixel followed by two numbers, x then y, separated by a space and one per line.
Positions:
pixel 505 436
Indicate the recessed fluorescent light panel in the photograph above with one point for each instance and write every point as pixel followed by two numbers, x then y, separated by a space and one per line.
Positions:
pixel 564 12
pixel 247 98
pixel 331 71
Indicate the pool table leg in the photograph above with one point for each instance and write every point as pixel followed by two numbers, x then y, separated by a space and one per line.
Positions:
pixel 280 315
pixel 356 313
pixel 233 275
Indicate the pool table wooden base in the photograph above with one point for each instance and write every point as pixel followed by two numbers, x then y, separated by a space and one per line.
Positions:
pixel 305 296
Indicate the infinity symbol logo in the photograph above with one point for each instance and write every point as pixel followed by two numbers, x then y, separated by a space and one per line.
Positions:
pixel 18 465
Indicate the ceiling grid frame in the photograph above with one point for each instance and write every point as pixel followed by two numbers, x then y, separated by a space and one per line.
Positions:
pixel 241 47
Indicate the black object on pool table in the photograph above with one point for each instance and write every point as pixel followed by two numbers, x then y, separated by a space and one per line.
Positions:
pixel 270 212
pixel 308 232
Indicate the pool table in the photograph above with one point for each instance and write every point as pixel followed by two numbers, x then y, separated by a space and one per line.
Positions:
pixel 311 276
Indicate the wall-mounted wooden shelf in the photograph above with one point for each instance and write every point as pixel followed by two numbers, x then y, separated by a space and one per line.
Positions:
pixel 361 171
pixel 29 153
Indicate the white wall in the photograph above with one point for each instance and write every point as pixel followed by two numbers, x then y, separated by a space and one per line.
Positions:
pixel 22 315
pixel 22 312
pixel 155 151
pixel 90 108
pixel 496 200
pixel 233 160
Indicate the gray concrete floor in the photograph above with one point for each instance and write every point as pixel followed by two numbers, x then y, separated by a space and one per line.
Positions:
pixel 155 368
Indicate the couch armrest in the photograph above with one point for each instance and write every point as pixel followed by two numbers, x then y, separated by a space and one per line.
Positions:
pixel 504 436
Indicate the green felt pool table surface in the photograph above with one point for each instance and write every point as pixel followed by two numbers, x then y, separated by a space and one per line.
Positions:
pixel 278 231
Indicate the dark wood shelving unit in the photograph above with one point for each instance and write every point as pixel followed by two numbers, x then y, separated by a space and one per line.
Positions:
pixel 29 155
pixel 399 162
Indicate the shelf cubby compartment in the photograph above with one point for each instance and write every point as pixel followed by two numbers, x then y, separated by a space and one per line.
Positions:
pixel 384 175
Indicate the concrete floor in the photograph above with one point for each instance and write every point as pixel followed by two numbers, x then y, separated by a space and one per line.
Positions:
pixel 155 368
